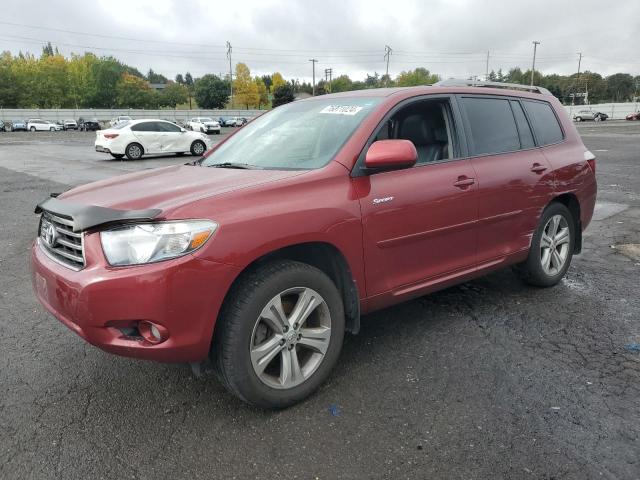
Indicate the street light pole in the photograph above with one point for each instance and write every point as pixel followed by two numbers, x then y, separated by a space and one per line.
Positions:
pixel 313 61
pixel 533 67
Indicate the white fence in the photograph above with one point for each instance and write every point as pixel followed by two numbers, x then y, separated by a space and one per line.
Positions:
pixel 616 111
pixel 104 115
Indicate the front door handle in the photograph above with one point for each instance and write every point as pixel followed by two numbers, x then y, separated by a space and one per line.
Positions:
pixel 537 168
pixel 464 181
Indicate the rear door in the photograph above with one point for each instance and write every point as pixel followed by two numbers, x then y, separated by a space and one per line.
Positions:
pixel 515 180
pixel 149 134
pixel 419 223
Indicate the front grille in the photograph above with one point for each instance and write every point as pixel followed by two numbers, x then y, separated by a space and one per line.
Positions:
pixel 58 239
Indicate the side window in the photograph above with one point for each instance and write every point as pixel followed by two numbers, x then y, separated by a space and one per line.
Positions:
pixel 169 127
pixel 144 127
pixel 493 127
pixel 526 137
pixel 544 122
pixel 426 125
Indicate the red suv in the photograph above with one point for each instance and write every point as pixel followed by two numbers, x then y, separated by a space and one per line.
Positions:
pixel 260 255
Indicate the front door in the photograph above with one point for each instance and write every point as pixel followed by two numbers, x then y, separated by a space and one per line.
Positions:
pixel 419 223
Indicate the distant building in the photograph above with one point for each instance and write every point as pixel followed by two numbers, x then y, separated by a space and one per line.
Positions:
pixel 158 86
pixel 302 95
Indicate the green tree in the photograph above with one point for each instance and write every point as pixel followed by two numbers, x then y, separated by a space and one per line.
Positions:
pixel 174 94
pixel 134 92
pixel 283 94
pixel 8 82
pixel 263 97
pixel 211 92
pixel 419 76
pixel 620 87
pixel 154 77
pixel 341 84
pixel 179 78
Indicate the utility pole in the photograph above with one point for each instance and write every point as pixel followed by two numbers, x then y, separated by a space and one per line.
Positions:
pixel 230 72
pixel 313 62
pixel 327 77
pixel 573 100
pixel 533 67
pixel 486 75
pixel 387 53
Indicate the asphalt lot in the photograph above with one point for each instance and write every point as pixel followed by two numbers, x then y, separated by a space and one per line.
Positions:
pixel 490 379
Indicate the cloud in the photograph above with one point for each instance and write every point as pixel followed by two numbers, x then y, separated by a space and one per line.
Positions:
pixel 447 37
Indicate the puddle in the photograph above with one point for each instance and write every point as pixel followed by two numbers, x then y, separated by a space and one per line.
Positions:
pixel 608 209
pixel 631 250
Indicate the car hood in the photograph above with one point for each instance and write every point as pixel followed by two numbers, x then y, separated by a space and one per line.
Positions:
pixel 170 187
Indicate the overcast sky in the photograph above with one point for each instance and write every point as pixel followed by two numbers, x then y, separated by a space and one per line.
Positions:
pixel 448 37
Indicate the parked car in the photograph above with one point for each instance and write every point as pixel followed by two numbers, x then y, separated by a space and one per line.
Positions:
pixel 144 137
pixel 204 125
pixel 70 124
pixel 633 116
pixel 120 119
pixel 228 121
pixel 87 125
pixel 18 125
pixel 37 124
pixel 261 254
pixel 3 126
pixel 588 115
pixel 59 126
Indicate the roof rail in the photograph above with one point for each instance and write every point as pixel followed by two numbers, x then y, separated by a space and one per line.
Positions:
pixel 458 82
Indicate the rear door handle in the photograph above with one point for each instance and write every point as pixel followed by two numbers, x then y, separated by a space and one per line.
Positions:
pixel 464 181
pixel 537 168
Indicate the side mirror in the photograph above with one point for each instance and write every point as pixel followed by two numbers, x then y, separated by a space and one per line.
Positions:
pixel 182 130
pixel 391 154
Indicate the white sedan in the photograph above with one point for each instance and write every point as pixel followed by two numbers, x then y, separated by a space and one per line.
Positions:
pixel 149 137
pixel 204 125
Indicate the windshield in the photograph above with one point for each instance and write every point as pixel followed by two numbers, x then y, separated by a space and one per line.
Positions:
pixel 205 119
pixel 298 135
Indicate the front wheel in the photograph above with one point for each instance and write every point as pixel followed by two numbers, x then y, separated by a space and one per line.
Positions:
pixel 551 248
pixel 33 129
pixel 578 119
pixel 279 334
pixel 597 118
pixel 198 148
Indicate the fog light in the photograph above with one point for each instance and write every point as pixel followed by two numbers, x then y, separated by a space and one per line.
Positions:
pixel 152 333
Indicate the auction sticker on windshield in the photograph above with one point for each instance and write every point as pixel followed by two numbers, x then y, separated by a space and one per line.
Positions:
pixel 341 109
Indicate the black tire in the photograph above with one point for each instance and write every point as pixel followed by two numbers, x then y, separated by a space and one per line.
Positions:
pixel 117 156
pixel 532 271
pixel 230 353
pixel 134 151
pixel 33 129
pixel 52 129
pixel 578 119
pixel 198 148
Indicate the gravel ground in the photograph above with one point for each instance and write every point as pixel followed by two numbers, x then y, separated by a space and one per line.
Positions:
pixel 489 379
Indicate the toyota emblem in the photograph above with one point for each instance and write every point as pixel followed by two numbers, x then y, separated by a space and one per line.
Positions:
pixel 48 233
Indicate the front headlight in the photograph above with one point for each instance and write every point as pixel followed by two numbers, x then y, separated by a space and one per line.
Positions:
pixel 152 242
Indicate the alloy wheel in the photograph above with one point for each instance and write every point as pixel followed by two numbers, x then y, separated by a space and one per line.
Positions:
pixel 554 245
pixel 290 338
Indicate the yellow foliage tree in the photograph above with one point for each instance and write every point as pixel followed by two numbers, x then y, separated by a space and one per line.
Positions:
pixel 244 88
pixel 263 97
pixel 276 81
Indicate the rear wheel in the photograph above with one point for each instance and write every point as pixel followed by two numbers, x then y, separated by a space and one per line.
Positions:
pixel 578 119
pixel 52 129
pixel 279 334
pixel 134 151
pixel 551 249
pixel 33 129
pixel 198 148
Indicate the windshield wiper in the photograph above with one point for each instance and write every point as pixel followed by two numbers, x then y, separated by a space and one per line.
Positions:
pixel 244 166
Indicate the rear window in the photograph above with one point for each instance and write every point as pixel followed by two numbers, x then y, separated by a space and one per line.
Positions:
pixel 493 128
pixel 526 137
pixel 544 121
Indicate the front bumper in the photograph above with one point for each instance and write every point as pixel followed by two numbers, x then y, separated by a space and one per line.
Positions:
pixel 182 295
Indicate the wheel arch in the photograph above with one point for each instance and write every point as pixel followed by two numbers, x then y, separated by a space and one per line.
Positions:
pixel 325 257
pixel 570 201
